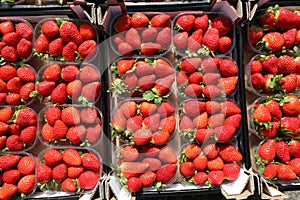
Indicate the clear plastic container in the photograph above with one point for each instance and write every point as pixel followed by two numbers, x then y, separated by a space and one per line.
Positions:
pixel 66 141
pixel 211 15
pixel 16 128
pixel 77 22
pixel 15 21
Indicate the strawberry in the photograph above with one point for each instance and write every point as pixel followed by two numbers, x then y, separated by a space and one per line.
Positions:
pixel 187 169
pixel 149 34
pixel 125 49
pixel 26 165
pixel 70 33
pixel 87 31
pixel 211 150
pixel 231 171
pixel 267 151
pixel 160 138
pixel 124 65
pixel 262 114
pixel 24 30
pixel 88 115
pixel 74 172
pixel 225 44
pixel 9 53
pixel 270 64
pixel 133 38
pixel 181 79
pixel 129 108
pixel 190 65
pixel 47 133
pixel 285 172
pixel 52 72
pixel 7 191
pixel 87 49
pixel 224 133
pixel 26 117
pixel 11 39
pixel 70 115
pixel 56 47
pixel 209 65
pixel 130 81
pixel 211 78
pixel 6 114
pixel 139 20
pixel 168 124
pixel 162 85
pixel 74 89
pixel 286 64
pixel 14 129
pixel 267 21
pixel 228 68
pixel 143 68
pixel 289 37
pixel 151 122
pixel 215 164
pixel 59 130
pixel 6 27
pixel 212 107
pixel 14 85
pixel 167 155
pixel 160 20
pixel 133 169
pixel 255 66
pixel 52 157
pixel 290 125
pixel 233 120
pixel 13 99
pixel 45 88
pixel 149 151
pixel 24 48
pixel 148 178
pixel 164 37
pixel 274 109
pixel 69 51
pixel 154 164
pixel 75 134
pixel 193 90
pixel 165 109
pixel 204 134
pixel 200 163
pixel 150 48
pixel 91 91
pixel 41 44
pixel 291 105
pixel 134 184
pixel 129 153
pixel 7 72
pixel 93 133
pixel 211 39
pixel 52 114
pixel 255 34
pixel 286 19
pixel 273 41
pixel 185 22
pixel 200 178
pixel 71 157
pixel 142 136
pixel 215 177
pixel 162 68
pixel 289 83
pixel 28 134
pixel 222 24
pixel 87 180
pixel 122 23
pixel 295 164
pixel 201 121
pixel 201 22
pixel 192 151
pixel 9 161
pixel 68 185
pixel 147 108
pixel 294 147
pixel 59 172
pixel 59 94
pixel 216 120
pixel 270 171
pixel 195 78
pixel 88 74
pixel 11 176
pixel 257 81
pixel 119 121
pixel 282 151
pixel 166 173
pixel 50 28
pixel 26 74
pixel 211 91
pixel 180 40
pixel 229 153
pixel 14 143
pixel 3 128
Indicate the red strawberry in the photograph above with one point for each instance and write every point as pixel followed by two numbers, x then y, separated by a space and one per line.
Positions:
pixel 11 39
pixel 52 72
pixel 24 30
pixel 160 137
pixel 87 49
pixel 209 65
pixel 6 114
pixel 234 120
pixel 24 48
pixel 124 65
pixel 28 134
pixel 257 81
pixel 88 115
pixel 41 44
pixel 59 94
pixel 93 133
pixel 11 176
pixel 9 53
pixel 200 178
pixel 13 99
pixel 200 163
pixel 149 151
pixel 225 44
pixel 71 157
pixel 3 128
pixel 125 49
pixel 134 184
pixel 273 41
pixel 204 134
pixel 59 172
pixel 47 133
pixel 130 81
pixel 87 31
pixel 162 68
pixel 274 109
pixel 26 74
pixel 167 155
pixel 267 151
pixel 229 153
pixel 3 88
pixel 255 66
pixel 185 22
pixel 211 78
pixel 122 23
pixel 286 64
pixel 148 178
pixel 166 173
pixel 154 164
pixel 222 24
pixel 143 68
pixel 295 164
pixel 7 191
pixel 45 88
pixel 224 133
pixel 150 48
pixel 181 79
pixel 212 107
pixel 70 73
pixel 147 108
pixel 56 47
pixel 216 120
pixel 282 151
pixel 168 124
pixel 160 20
pixel 52 157
pixel 231 171
pixel 74 89
pixel 211 39
pixel 69 51
pixel 74 172
pixel 87 180
pixel 50 28
pixel 68 185
pixel 88 74
pixel 291 105
pixel 129 108
pixel 70 115
pixel 70 33
pixel 270 171
pixel 289 37
pixel 215 164
pixel 26 117
pixel 163 85
pixel 119 121
pixel 289 83
pixel 59 130
pixel 7 72
pixel 91 91
pixel 215 177
pixel 149 34
pixel 285 172
pixel 180 40
pixel 195 78
pixel 133 38
pixel 193 90
pixel 76 134
pixel 190 65
pixel 187 169
pixel 255 34
pixel 9 161
pixel 129 153
pixel 133 169
pixel 267 21
pixel 139 20
pixel 211 91
pixel 6 27
pixel 201 120
pixel 151 122
pixel 26 165
pixel 192 151
pixel 286 19
pixel 201 22
pixel 270 64
pixel 14 85
pixel 165 109
pixel 14 143
pixel 186 124
pixel 262 114
pixel 290 125
pixel 294 147
pixel 228 68
pixel 142 136
pixel 164 38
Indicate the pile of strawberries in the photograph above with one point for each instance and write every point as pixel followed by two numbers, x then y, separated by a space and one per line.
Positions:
pixel 69 169
pixel 67 83
pixel 70 125
pixel 276 116
pixel 205 120
pixel 142 122
pixel 17 128
pixel 16 84
pixel 65 40
pixel 209 164
pixel 279 160
pixel 141 34
pixel 275 30
pixel 270 74
pixel 17 175
pixel 204 34
pixel 15 40
pixel 147 166
pixel 208 77
pixel 151 79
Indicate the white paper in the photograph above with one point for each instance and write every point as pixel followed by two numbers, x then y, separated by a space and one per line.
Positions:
pixel 237 186
pixel 119 191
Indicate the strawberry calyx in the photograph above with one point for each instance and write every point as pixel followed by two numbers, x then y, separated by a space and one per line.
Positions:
pixel 274 82
pixel 188 134
pixel 151 96
pixel 159 185
pixel 262 125
pixel 118 86
pixel 85 102
pixel 59 21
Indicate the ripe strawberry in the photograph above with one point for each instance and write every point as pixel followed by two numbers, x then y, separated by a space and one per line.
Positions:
pixel 133 169
pixel 14 85
pixel 133 38
pixel 192 151
pixel 87 49
pixel 124 65
pixel 139 20
pixel 14 143
pixel 149 48
pixel 262 114
pixel 45 88
pixel 129 108
pixel 160 137
pixel 68 185
pixel 201 135
pixel 71 157
pixel 26 165
pixel 231 171
pixel 223 24
pixel 52 157
pixel 24 30
pixel 295 164
pixel 162 85
pixel 225 44
pixel 211 39
pixel 122 23
pixel 3 128
pixel 154 164
pixel 148 178
pixel 216 120
pixel 211 91
pixel 211 150
pixel 200 178
pixel 294 147
pixel 13 99
pixel 149 151
pixel 257 81
pixel 160 20
pixel 255 66
pixel 87 180
pixel 70 33
pixel 215 164
pixel 59 172
pixel 215 177
pixel 190 65
pixel 200 163
pixel 70 115
pixel 194 44
pixel 168 124
pixel 291 105
pixel 147 108
pixel 74 172
pixel 130 81
pixel 129 153
pixel 167 155
pixel 76 134
pixel 143 68
pixel 59 94
pixel 282 151
pixel 286 64
pixel 9 53
pixel 56 47
pixel 125 49
pixel 88 115
pixel 118 39
pixel 209 65
pixel 134 184
pixel 270 64
pixel 224 133
pixel 228 68
pixel 7 72
pixel 41 44
pixel 7 191
pixel 211 78
pixel 255 34
pixel 270 171
pixel 47 133
pixel 289 37
pixel 290 125
pixel 59 130
pixel 166 173
pixel 273 41
pixel 165 109
pixel 11 39
pixel 11 176
pixel 24 48
pixel 195 78
pixel 52 73
pixel 26 117
pixel 201 121
pixel 267 151
pixel 87 31
pixel 119 121
pixel 91 91
pixel 285 172
pixel 286 19
pixel 289 83
pixel 28 134
pixel 142 136
pixel 267 21
pixel 229 153
pixel 6 114
pixel 185 22
pixel 187 169
pixel 162 68
pixel 69 51
pixel 52 114
pixel 26 74
pixel 193 90
pixel 149 34
pixel 193 108
pixel 151 122
pixel 180 39
pixel 164 37
pixel 3 88
pixel 89 74
pixel 9 161
pixel 6 27
pixel 233 120
pixel 201 22
pixel 93 133
pixel 181 79
pixel 50 28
